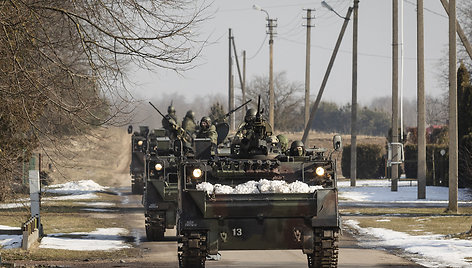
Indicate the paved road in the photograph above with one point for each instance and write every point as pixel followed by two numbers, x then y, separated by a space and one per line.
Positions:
pixel 164 254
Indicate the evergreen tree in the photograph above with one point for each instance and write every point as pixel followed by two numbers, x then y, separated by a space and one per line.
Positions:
pixel 464 101
pixel 217 113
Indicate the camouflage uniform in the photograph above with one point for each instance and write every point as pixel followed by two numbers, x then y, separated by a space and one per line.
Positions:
pixel 169 122
pixel 188 123
pixel 207 130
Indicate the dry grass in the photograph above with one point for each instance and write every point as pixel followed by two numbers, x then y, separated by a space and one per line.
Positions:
pixel 102 156
pixel 42 254
pixel 440 225
pixel 402 211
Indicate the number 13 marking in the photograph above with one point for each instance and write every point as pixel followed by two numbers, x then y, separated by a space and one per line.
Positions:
pixel 237 231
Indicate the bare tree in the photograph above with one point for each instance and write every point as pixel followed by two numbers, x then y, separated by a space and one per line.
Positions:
pixel 287 109
pixel 63 63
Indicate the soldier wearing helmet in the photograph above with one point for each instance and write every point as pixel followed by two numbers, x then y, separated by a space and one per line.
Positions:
pixel 297 148
pixel 188 123
pixel 207 130
pixel 169 122
pixel 283 143
pixel 246 129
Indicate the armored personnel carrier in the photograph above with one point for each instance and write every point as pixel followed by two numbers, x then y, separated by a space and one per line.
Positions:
pixel 256 198
pixel 138 151
pixel 160 194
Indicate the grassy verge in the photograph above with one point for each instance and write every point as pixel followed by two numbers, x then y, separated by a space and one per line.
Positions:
pixel 402 211
pixel 427 225
pixel 42 254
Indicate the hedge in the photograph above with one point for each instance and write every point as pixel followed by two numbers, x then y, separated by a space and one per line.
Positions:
pixel 370 163
pixel 440 166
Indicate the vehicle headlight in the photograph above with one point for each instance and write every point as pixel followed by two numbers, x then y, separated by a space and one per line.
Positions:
pixel 320 171
pixel 197 173
pixel 140 143
pixel 158 166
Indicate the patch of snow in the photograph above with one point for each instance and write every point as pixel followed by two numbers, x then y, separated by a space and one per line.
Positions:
pixel 435 194
pixel 223 189
pixel 375 183
pixel 10 241
pixel 5 227
pixel 100 239
pixel 383 220
pixel 261 186
pixel 429 250
pixel 205 186
pixel 72 197
pixel 13 205
pixel 76 187
pixel 96 204
pixel 99 209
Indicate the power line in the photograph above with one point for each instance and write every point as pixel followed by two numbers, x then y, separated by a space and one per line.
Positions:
pixel 427 9
pixel 350 52
pixel 259 49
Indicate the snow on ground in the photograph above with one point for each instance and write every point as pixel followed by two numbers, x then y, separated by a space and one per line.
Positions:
pixel 379 191
pixel 256 187
pixel 100 239
pixel 74 190
pixel 10 241
pixel 96 204
pixel 76 187
pixel 429 250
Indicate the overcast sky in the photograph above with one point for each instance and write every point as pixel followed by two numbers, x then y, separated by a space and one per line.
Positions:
pixel 210 77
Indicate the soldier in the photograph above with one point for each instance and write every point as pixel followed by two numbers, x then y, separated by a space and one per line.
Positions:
pixel 246 129
pixel 188 123
pixel 169 122
pixel 297 148
pixel 207 130
pixel 283 142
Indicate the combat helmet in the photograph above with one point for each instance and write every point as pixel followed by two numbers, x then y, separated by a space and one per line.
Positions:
pixel 250 115
pixel 171 109
pixel 297 148
pixel 205 122
pixel 190 114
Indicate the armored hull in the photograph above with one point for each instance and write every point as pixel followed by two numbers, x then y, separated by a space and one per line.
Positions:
pixel 210 222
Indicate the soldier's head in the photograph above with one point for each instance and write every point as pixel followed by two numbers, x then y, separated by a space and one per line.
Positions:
pixel 297 148
pixel 190 114
pixel 205 123
pixel 283 141
pixel 250 115
pixel 171 109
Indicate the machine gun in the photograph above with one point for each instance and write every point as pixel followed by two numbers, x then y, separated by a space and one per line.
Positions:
pixel 179 132
pixel 235 109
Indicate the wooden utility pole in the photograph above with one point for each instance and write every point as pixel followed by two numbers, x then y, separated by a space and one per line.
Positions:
pixel 421 171
pixel 460 32
pixel 230 82
pixel 307 65
pixel 394 166
pixel 326 76
pixel 354 95
pixel 271 25
pixel 244 78
pixel 453 139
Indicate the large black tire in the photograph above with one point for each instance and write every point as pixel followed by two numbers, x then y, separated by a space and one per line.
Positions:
pixel 154 233
pixel 326 249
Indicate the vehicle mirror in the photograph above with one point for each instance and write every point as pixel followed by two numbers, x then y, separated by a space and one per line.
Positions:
pixel 337 142
pixel 130 129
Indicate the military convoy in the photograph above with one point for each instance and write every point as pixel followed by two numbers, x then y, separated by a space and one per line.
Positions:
pixel 249 194
pixel 138 152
